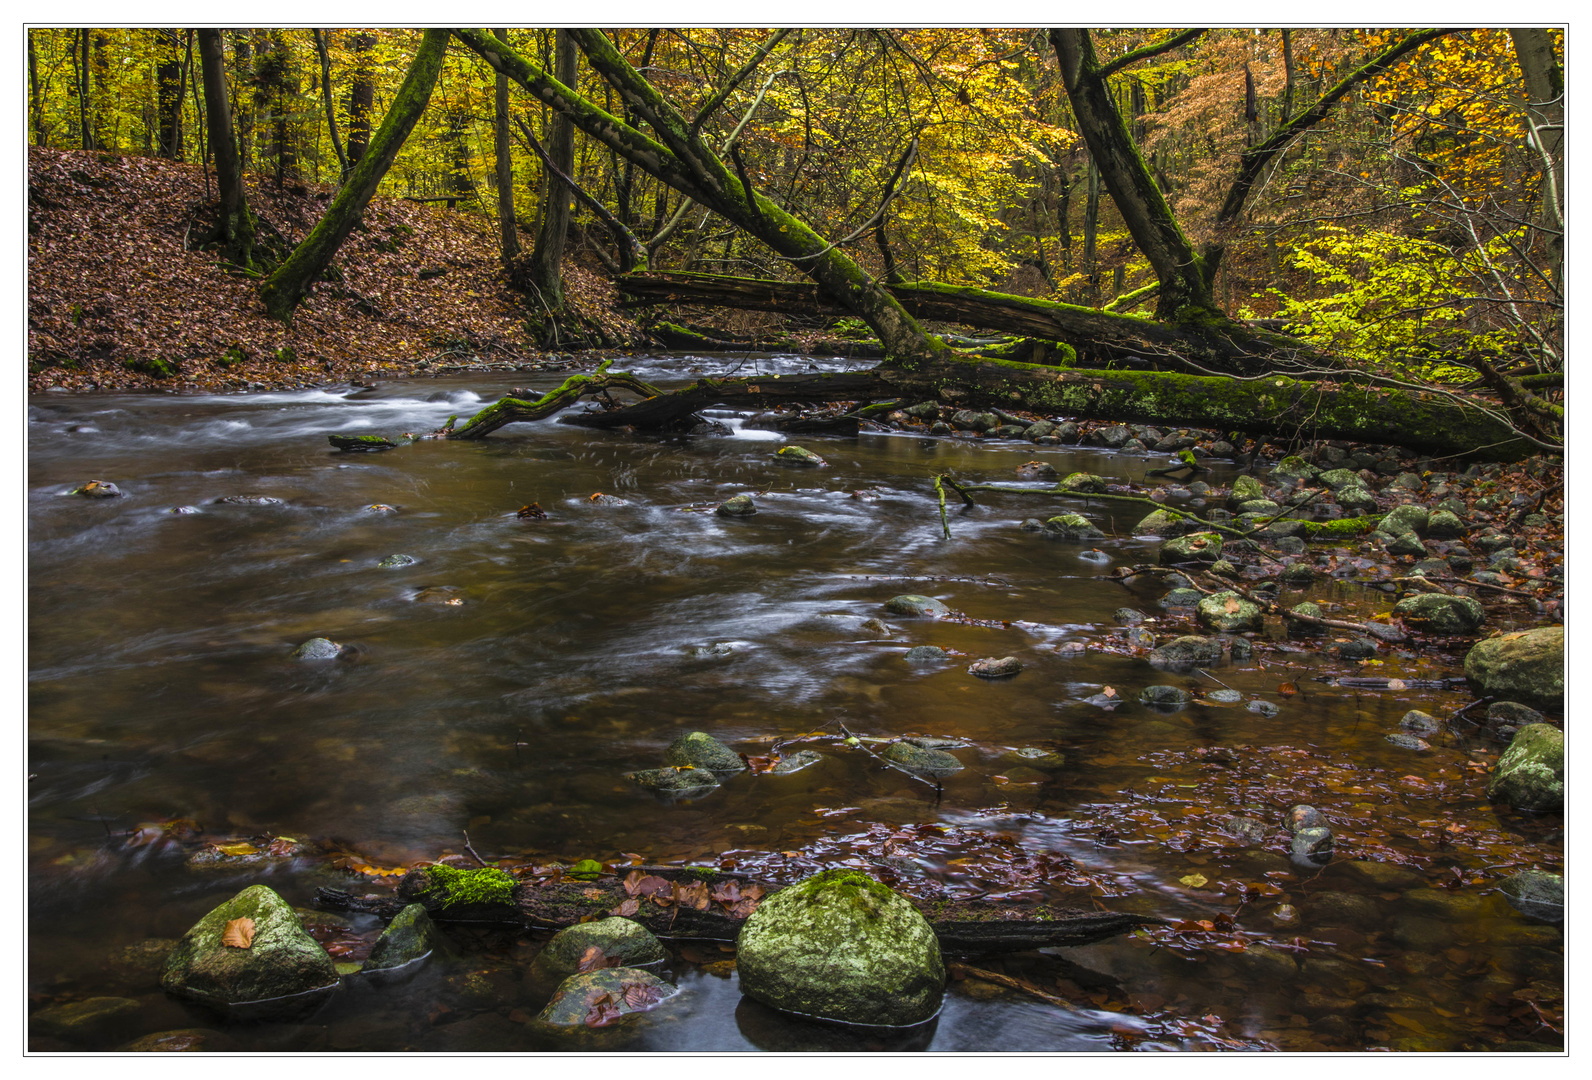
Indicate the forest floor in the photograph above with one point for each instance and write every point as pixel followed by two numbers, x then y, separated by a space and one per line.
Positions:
pixel 117 301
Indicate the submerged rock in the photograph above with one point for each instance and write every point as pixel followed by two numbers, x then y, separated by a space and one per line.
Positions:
pixel 679 783
pixel 1536 893
pixel 1530 774
pixel 840 946
pixel 318 648
pixel 392 562
pixel 93 1020
pixel 282 973
pixel 920 654
pixel 702 751
pixel 737 506
pixel 1527 666
pixel 796 762
pixel 1164 696
pixel 925 761
pixel 612 992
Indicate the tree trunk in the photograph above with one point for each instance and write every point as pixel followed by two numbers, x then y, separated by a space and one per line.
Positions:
pixel 168 96
pixel 1184 275
pixel 331 110
pixel 243 121
pixel 1091 228
pixel 1545 110
pixel 361 96
pixel 683 162
pixel 546 272
pixel 80 61
pixel 503 162
pixel 234 222
pixel 1288 75
pixel 41 133
pixel 291 281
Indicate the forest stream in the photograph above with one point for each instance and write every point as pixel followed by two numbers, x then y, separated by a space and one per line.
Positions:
pixel 505 679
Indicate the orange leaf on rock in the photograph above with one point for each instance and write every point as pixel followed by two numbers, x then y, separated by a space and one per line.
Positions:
pixel 694 896
pixel 239 933
pixel 594 959
pixel 602 1012
pixel 1231 605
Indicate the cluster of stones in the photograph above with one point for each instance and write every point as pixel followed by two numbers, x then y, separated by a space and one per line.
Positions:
pixel 696 763
pixel 935 419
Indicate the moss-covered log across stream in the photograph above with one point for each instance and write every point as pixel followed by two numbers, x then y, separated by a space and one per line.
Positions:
pixel 1433 423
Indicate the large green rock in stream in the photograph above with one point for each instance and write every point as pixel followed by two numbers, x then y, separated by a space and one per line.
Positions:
pixel 632 943
pixel 1527 667
pixel 1205 547
pixel 1072 527
pixel 283 973
pixel 702 751
pixel 841 946
pixel 1530 774
pixel 913 604
pixel 1439 614
pixel 1228 613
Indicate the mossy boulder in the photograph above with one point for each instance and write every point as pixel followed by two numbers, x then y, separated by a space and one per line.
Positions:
pixel 632 943
pixel 1295 468
pixel 1228 613
pixel 1440 614
pixel 1338 479
pixel 737 506
pixel 409 939
pixel 798 456
pixel 627 990
pixel 1536 893
pixel 1082 483
pixel 1526 666
pixel 1164 696
pixel 1530 774
pixel 840 946
pixel 1404 519
pixel 702 751
pixel 1405 544
pixel 1357 498
pixel 1072 527
pixel 1162 523
pixel 1205 547
pixel 1187 652
pixel 1444 526
pixel 1245 489
pixel 913 604
pixel 283 973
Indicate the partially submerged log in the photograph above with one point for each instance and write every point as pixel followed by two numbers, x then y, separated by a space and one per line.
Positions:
pixel 964 927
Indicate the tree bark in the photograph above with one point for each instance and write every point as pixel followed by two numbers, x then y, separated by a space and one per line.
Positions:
pixel 503 163
pixel 546 271
pixel 41 133
pixel 331 111
pixel 285 288
pixel 234 223
pixel 1184 273
pixel 361 96
pixel 684 163
pixel 168 97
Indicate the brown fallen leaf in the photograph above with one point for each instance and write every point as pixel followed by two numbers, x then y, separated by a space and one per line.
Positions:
pixel 1287 689
pixel 694 896
pixel 594 959
pixel 1231 605
pixel 239 933
pixel 602 1012
pixel 639 996
pixel 627 908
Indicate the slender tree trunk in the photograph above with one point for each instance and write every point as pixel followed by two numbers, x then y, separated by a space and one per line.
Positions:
pixel 80 61
pixel 1184 274
pixel 361 96
pixel 1545 109
pixel 41 133
pixel 1091 228
pixel 234 222
pixel 509 237
pixel 169 79
pixel 1288 73
pixel 243 66
pixel 546 272
pixel 285 288
pixel 331 111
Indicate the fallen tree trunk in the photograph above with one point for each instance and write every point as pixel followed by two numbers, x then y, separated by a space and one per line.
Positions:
pixel 1093 336
pixel 1437 424
pixel 964 927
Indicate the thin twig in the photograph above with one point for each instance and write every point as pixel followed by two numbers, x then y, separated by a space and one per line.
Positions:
pixel 473 853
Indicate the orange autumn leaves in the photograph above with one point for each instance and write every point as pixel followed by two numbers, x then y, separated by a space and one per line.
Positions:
pixel 738 901
pixel 238 934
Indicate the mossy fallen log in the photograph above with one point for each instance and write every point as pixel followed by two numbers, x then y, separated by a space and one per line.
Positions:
pixel 964 927
pixel 509 410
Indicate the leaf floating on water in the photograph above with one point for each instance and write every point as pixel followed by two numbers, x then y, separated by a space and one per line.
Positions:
pixel 1196 881
pixel 1397 684
pixel 239 933
pixel 1287 689
pixel 1109 691
pixel 243 847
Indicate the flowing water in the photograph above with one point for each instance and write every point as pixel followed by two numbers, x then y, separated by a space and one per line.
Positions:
pixel 508 679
